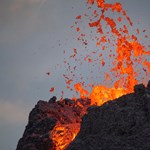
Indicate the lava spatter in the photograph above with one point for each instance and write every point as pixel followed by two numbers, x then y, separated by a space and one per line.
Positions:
pixel 119 55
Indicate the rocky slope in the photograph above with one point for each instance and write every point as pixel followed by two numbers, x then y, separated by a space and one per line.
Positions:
pixel 44 117
pixel 121 124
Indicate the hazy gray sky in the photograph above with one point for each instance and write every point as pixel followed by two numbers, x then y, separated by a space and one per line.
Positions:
pixel 33 35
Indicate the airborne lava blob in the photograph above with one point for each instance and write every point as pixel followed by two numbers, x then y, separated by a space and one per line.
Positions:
pixel 119 51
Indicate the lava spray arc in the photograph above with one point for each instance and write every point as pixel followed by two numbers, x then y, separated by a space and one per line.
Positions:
pixel 128 61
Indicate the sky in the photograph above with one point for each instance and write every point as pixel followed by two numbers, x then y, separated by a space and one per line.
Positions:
pixel 33 35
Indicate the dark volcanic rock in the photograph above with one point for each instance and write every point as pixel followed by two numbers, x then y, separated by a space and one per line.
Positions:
pixel 43 118
pixel 122 124
pixel 36 135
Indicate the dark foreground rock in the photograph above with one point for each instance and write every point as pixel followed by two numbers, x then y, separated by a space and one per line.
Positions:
pixel 122 124
pixel 43 118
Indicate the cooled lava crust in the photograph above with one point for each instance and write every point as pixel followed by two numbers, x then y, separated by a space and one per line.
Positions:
pixel 121 124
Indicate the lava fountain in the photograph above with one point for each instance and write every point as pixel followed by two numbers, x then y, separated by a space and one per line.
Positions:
pixel 128 61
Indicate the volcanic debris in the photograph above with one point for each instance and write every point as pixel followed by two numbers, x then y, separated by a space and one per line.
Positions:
pixel 44 117
pixel 121 124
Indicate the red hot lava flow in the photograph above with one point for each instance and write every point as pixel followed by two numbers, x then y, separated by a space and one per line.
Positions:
pixel 128 62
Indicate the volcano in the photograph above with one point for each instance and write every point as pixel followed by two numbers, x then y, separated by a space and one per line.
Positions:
pixel 121 124
pixel 113 111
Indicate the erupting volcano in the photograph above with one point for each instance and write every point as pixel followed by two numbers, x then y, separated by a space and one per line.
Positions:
pixel 120 56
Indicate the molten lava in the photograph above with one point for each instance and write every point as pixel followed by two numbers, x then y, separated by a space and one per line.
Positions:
pixel 62 135
pixel 129 58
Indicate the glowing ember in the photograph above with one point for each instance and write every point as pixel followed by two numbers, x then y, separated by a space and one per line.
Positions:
pixel 126 61
pixel 52 89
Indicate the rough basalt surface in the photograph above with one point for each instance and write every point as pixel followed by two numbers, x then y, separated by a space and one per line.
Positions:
pixel 122 124
pixel 43 118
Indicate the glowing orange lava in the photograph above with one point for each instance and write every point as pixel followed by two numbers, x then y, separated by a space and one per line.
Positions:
pixel 129 58
pixel 62 135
